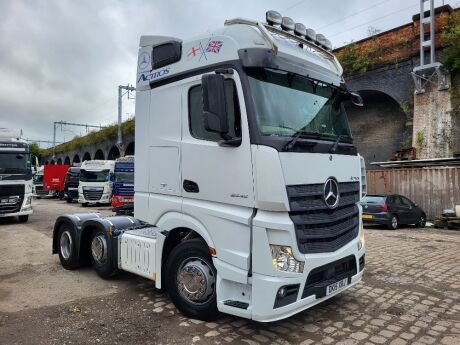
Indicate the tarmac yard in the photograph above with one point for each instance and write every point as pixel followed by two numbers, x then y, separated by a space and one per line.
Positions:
pixel 410 295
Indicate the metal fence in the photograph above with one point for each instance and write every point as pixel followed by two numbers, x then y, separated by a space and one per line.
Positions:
pixel 433 189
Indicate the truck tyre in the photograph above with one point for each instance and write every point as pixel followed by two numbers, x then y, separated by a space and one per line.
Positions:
pixel 190 278
pixel 67 248
pixel 68 200
pixel 393 223
pixel 85 204
pixel 101 254
pixel 23 219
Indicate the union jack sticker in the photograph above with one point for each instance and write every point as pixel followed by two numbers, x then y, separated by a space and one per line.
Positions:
pixel 214 46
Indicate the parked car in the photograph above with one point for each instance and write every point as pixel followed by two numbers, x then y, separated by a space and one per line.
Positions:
pixel 392 211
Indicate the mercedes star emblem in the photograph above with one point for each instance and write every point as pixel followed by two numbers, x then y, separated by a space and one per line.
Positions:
pixel 331 193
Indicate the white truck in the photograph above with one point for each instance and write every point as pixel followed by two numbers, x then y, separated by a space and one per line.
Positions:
pixel 15 176
pixel 247 181
pixel 95 185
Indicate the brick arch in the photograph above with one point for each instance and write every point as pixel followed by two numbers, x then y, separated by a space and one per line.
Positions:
pixel 99 154
pixel 86 156
pixel 76 158
pixel 114 153
pixel 130 149
pixel 59 161
pixel 395 81
pixel 67 160
pixel 379 127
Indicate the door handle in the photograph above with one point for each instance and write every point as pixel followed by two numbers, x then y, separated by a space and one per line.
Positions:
pixel 191 187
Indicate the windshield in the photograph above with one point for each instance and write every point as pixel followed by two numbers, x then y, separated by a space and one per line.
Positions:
pixel 287 104
pixel 14 164
pixel 94 176
pixel 125 177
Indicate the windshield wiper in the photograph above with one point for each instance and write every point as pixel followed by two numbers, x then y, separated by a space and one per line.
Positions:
pixel 336 143
pixel 291 143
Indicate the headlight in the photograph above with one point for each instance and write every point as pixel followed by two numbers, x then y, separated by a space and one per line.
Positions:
pixel 28 200
pixel 283 259
pixel 361 238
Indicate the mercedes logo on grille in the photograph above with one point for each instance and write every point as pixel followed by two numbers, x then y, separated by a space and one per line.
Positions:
pixel 331 193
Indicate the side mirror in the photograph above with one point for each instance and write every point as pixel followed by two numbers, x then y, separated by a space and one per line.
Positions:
pixel 215 115
pixel 356 99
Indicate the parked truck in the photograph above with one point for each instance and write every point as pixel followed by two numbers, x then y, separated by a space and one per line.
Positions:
pixel 247 181
pixel 95 186
pixel 72 181
pixel 123 186
pixel 15 176
pixel 37 188
pixel 53 179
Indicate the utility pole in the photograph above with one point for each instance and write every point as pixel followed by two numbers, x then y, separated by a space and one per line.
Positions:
pixel 128 88
pixel 65 123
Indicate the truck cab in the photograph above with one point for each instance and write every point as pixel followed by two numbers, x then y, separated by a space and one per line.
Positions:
pixel 247 181
pixel 123 185
pixel 38 189
pixel 95 184
pixel 15 176
pixel 72 181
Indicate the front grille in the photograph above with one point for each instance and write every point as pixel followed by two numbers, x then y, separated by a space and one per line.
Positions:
pixel 93 195
pixel 318 228
pixel 40 191
pixel 11 208
pixel 125 191
pixel 11 189
pixel 320 277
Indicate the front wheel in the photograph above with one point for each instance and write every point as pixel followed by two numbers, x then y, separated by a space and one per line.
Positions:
pixel 393 223
pixel 422 222
pixel 191 280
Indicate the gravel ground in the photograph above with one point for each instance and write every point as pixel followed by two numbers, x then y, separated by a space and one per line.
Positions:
pixel 410 295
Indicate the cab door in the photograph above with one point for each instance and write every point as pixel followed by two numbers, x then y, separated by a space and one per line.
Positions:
pixel 212 172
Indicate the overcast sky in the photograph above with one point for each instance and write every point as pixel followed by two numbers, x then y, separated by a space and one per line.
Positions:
pixel 64 59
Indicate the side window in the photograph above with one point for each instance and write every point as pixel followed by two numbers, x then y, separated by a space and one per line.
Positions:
pixel 406 202
pixel 397 200
pixel 195 106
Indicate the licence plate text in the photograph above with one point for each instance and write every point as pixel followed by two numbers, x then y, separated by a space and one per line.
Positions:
pixel 336 286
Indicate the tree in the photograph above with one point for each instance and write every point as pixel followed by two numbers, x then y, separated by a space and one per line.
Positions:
pixel 35 150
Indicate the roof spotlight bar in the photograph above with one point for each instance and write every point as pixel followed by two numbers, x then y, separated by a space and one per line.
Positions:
pixel 287 24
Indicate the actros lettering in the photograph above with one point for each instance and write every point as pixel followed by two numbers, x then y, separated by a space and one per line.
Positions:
pixel 153 75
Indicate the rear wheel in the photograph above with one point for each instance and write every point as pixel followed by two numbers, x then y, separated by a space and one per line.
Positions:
pixel 101 254
pixel 67 248
pixel 85 204
pixel 422 222
pixel 23 219
pixel 191 280
pixel 393 223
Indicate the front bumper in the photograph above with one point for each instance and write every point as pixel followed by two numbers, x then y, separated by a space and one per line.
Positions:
pixel 383 218
pixel 265 288
pixel 106 198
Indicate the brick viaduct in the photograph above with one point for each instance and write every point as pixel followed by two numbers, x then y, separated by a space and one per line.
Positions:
pixel 386 123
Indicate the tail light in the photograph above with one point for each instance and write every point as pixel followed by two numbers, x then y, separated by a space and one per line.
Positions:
pixel 383 207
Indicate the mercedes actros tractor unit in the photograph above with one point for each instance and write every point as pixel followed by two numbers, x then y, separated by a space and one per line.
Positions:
pixel 15 176
pixel 247 181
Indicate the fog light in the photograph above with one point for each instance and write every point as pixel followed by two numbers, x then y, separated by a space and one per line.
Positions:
pixel 283 259
pixel 282 291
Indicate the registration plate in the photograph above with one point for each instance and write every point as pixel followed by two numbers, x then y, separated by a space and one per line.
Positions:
pixel 368 216
pixel 336 286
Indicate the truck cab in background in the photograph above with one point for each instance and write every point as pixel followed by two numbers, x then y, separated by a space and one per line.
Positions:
pixel 95 185
pixel 38 190
pixel 123 186
pixel 15 176
pixel 72 181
